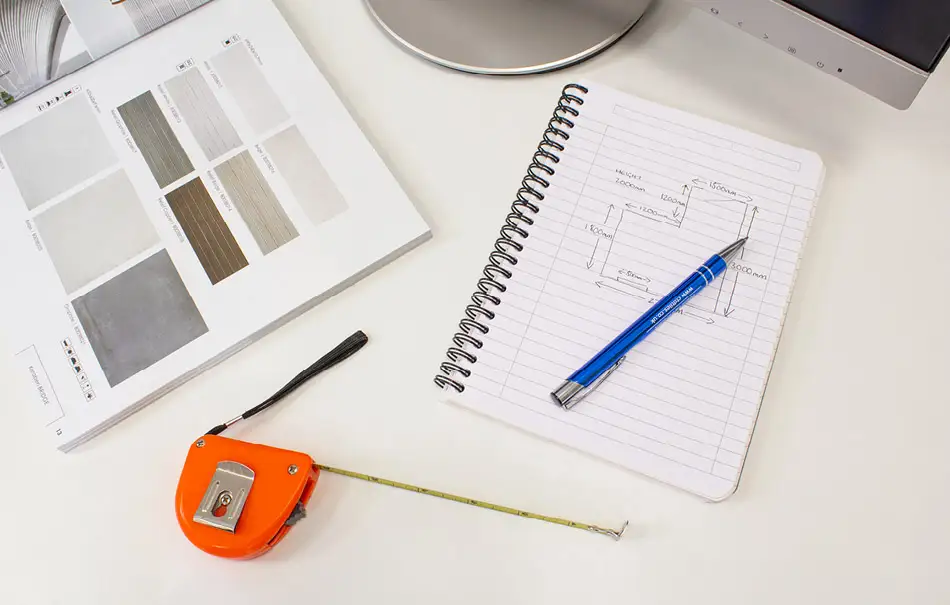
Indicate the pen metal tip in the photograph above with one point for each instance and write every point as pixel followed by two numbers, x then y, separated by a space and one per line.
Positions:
pixel 730 251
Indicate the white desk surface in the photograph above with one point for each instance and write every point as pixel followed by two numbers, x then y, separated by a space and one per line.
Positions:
pixel 845 496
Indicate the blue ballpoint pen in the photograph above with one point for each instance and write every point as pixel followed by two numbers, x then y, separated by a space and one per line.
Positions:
pixel 596 371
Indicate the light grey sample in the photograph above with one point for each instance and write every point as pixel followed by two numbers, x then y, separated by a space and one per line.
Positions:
pixel 309 181
pixel 244 80
pixel 96 231
pixel 256 202
pixel 203 114
pixel 155 139
pixel 56 151
pixel 149 15
pixel 139 318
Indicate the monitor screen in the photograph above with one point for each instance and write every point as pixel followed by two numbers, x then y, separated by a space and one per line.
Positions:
pixel 917 31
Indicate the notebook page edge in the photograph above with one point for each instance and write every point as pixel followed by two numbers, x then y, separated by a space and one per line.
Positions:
pixel 819 187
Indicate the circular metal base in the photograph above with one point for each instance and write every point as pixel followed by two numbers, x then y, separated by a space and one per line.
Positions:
pixel 507 36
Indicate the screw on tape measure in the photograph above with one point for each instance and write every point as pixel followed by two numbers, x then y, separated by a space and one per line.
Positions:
pixel 238 500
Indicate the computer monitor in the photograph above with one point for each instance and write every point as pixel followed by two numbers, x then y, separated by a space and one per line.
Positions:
pixel 887 48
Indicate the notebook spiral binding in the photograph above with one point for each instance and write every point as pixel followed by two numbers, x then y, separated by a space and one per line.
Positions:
pixel 503 257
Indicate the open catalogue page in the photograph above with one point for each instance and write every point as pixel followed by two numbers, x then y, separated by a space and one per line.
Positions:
pixel 172 202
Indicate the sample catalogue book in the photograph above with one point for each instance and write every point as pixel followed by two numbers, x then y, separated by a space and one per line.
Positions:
pixel 166 205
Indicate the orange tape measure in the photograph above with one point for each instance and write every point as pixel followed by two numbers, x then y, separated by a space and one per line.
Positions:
pixel 238 500
pixel 254 497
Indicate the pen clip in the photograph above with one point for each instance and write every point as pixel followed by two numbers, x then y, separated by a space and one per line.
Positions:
pixel 597 382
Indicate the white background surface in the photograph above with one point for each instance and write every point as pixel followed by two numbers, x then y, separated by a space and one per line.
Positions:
pixel 845 495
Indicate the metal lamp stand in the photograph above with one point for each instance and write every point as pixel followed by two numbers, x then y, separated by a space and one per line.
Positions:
pixel 507 37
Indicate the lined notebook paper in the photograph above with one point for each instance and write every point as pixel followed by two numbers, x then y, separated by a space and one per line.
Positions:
pixel 639 197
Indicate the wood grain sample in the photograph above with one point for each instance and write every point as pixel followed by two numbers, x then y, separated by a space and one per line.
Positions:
pixel 212 240
pixel 203 114
pixel 155 139
pixel 256 202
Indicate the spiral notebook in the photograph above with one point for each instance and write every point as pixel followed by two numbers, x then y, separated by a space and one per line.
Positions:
pixel 624 198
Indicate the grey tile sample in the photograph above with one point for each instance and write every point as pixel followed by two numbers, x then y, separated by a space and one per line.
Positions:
pixel 149 15
pixel 309 181
pixel 56 151
pixel 256 202
pixel 244 80
pixel 203 114
pixel 139 318
pixel 96 231
pixel 212 240
pixel 155 139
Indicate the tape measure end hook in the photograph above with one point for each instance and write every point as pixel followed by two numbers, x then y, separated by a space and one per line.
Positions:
pixel 616 534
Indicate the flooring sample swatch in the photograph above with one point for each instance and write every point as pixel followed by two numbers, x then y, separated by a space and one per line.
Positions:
pixel 56 151
pixel 203 114
pixel 138 318
pixel 96 231
pixel 153 135
pixel 256 202
pixel 207 232
pixel 149 15
pixel 243 78
pixel 308 179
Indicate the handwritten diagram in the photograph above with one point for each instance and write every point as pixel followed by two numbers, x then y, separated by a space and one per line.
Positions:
pixel 731 211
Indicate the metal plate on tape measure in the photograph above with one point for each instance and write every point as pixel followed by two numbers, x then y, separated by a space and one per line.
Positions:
pixel 225 497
